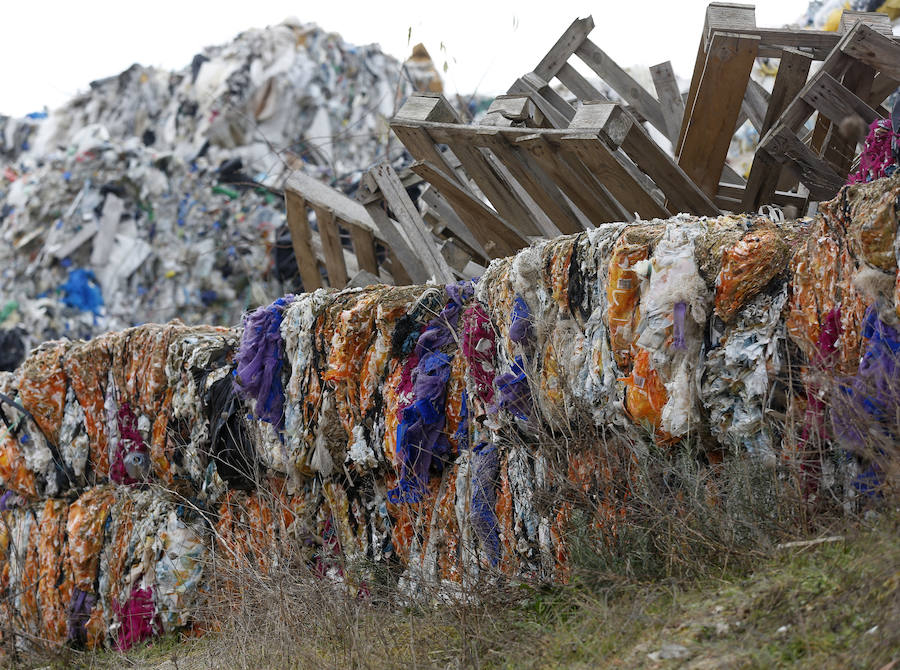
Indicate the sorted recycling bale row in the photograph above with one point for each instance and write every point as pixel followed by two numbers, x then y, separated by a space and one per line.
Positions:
pixel 429 427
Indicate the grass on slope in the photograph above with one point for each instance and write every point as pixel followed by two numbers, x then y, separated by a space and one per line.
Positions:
pixel 830 605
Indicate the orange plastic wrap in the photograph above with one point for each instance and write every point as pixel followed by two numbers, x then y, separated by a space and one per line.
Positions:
pixel 814 275
pixel 13 471
pixel 623 293
pixel 87 366
pixel 85 526
pixel 55 585
pixel 42 387
pixel 646 395
pixel 747 267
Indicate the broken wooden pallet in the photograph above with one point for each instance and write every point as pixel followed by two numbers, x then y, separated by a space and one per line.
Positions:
pixel 840 89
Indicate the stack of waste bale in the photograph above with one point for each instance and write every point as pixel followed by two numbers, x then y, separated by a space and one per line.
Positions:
pixel 430 428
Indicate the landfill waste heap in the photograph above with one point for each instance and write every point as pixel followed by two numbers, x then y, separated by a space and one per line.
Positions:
pixel 444 435
pixel 150 196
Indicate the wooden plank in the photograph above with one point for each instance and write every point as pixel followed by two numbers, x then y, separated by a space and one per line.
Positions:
pixel 421 147
pixel 539 223
pixel 402 254
pixel 781 198
pixel 301 239
pixel 756 101
pixel 335 266
pixel 855 86
pixel 428 107
pixel 549 200
pixel 573 80
pixel 621 82
pixel 691 98
pixel 762 181
pixel 451 220
pixel 364 248
pixel 557 118
pixel 793 69
pixel 403 208
pixel 817 175
pixel 498 194
pixel 398 272
pixel 605 167
pixel 495 237
pixel 878 22
pixel 565 46
pixel 882 87
pixel 716 107
pixel 682 194
pixel 670 99
pixel 830 98
pixel 578 185
pixel 317 194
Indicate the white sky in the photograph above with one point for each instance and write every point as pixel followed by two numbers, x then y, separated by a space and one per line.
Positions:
pixel 52 49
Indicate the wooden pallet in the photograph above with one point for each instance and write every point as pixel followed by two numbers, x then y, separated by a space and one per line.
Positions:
pixel 842 88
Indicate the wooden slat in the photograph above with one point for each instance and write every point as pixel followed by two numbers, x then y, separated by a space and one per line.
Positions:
pixel 335 266
pixel 736 192
pixel 854 87
pixel 621 82
pixel 882 87
pixel 548 199
pixel 578 84
pixel 502 198
pixel 495 237
pixel 670 100
pixel 756 101
pixel 403 208
pixel 565 46
pixel 364 248
pixel 793 69
pixel 716 107
pixel 573 180
pixel 830 98
pixel 682 194
pixel 557 118
pixel 421 147
pixel 317 194
pixel 817 175
pixel 451 220
pixel 301 239
pixel 401 253
pixel 605 167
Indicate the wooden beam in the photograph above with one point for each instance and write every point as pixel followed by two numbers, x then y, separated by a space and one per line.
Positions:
pixel 712 117
pixel 816 174
pixel 793 70
pixel 301 239
pixel 364 248
pixel 605 167
pixel 670 100
pixel 335 266
pixel 550 200
pixel 756 101
pixel 558 117
pixel 403 208
pixel 317 194
pixel 501 197
pixel 580 87
pixel 833 100
pixel 451 220
pixel 565 46
pixel 495 237
pixel 622 83
pixel 405 264
pixel 573 179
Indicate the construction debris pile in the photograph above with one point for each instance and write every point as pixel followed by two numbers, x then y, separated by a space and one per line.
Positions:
pixel 154 195
pixel 421 426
